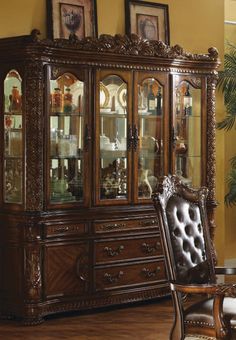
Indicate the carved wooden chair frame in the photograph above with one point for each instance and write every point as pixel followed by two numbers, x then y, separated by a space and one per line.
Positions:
pixel 220 328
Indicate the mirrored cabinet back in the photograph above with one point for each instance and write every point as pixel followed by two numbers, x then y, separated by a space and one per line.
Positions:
pixel 87 129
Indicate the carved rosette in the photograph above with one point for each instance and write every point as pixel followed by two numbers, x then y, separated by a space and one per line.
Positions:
pixel 34 135
pixel 33 279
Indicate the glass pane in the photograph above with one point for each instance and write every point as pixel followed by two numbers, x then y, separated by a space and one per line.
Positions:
pixel 13 143
pixel 113 138
pixel 188 133
pixel 150 131
pixel 66 139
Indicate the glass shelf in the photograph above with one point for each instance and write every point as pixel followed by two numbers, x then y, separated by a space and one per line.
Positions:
pixel 13 139
pixel 66 139
pixel 187 109
pixel 150 131
pixel 113 138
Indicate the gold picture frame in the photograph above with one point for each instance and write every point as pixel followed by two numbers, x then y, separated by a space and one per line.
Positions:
pixel 71 17
pixel 149 20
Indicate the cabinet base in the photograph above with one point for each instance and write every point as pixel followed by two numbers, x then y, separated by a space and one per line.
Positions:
pixel 39 312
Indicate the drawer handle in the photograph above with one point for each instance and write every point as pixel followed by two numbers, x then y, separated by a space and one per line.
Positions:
pixel 112 253
pixel 148 223
pixel 113 226
pixel 113 278
pixel 148 273
pixel 147 248
pixel 61 229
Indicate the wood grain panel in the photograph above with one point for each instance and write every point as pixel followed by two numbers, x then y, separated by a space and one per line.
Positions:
pixel 66 269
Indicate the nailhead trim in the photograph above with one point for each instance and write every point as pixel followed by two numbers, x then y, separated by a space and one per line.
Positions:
pixel 189 336
pixel 199 323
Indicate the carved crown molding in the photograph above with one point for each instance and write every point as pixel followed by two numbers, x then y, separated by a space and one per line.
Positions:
pixel 125 45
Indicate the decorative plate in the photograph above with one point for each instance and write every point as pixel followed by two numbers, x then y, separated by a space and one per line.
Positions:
pixel 104 96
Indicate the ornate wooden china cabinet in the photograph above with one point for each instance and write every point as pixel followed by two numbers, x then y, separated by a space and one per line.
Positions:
pixel 87 128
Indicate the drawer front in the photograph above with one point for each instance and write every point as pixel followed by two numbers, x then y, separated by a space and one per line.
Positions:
pixel 140 223
pixel 129 275
pixel 57 229
pixel 124 249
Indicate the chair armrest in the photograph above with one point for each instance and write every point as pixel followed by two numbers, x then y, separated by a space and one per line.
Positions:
pixel 193 288
pixel 212 289
pixel 225 271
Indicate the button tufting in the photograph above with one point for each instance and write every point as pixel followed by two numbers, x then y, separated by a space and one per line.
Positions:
pixel 189 230
pixel 177 232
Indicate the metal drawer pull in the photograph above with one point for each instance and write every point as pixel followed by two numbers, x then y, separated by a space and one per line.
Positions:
pixel 148 273
pixel 112 253
pixel 148 223
pixel 61 229
pixel 113 226
pixel 151 249
pixel 112 279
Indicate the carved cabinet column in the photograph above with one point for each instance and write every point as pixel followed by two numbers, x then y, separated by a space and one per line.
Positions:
pixel 34 135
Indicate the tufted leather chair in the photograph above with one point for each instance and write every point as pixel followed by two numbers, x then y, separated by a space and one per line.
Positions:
pixel 190 264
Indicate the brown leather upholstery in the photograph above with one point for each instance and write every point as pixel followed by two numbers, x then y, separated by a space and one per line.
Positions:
pixel 201 312
pixel 190 258
pixel 187 240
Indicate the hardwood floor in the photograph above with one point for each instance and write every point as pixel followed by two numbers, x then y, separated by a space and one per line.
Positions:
pixel 149 321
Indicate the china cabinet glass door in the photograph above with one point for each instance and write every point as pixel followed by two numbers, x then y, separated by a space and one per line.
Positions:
pixel 113 146
pixel 187 131
pixel 66 139
pixel 13 139
pixel 150 126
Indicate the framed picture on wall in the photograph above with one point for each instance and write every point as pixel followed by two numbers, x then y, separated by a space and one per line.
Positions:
pixel 149 20
pixel 76 17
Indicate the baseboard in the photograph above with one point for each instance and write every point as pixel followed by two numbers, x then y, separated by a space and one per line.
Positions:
pixel 229 263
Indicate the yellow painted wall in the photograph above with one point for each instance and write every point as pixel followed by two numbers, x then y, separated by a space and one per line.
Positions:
pixel 230 147
pixel 195 25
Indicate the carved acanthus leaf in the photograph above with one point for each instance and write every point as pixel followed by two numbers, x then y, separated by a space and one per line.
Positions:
pixel 228 290
pixel 126 45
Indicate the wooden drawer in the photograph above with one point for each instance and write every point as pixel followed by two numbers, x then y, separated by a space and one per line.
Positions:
pixel 124 249
pixel 61 229
pixel 129 275
pixel 140 223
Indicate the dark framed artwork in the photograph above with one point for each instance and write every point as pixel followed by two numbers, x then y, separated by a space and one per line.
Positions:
pixel 149 20
pixel 76 17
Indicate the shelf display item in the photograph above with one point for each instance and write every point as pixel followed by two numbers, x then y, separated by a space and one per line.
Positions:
pixel 67 108
pixel 57 100
pixel 187 102
pixel 15 100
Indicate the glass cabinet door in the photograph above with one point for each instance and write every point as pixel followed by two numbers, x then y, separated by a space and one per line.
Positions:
pixel 66 139
pixel 187 132
pixel 112 151
pixel 149 130
pixel 13 139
